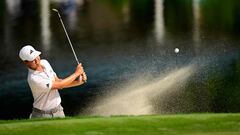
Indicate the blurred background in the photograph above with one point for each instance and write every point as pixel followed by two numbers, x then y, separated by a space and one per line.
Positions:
pixel 118 40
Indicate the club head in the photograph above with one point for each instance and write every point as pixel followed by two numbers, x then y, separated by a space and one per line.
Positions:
pixel 55 10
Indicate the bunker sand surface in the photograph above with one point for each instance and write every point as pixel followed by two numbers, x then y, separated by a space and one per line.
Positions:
pixel 134 98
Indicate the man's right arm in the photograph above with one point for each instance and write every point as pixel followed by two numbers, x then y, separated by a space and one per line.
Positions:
pixel 60 84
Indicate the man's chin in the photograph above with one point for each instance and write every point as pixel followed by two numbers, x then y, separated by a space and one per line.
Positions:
pixel 33 67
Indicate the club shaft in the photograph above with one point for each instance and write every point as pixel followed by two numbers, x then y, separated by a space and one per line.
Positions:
pixel 68 37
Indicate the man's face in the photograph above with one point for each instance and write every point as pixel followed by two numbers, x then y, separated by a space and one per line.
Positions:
pixel 33 64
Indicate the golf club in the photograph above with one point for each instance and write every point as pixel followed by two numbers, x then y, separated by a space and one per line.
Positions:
pixel 55 10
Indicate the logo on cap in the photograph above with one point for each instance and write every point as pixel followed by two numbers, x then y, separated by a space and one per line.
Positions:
pixel 31 51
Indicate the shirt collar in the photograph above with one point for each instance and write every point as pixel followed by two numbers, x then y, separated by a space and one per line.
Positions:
pixel 35 71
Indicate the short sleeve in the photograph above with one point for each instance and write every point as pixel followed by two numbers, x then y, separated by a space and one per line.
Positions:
pixel 41 84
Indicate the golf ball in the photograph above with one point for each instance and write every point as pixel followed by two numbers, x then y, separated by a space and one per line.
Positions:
pixel 176 50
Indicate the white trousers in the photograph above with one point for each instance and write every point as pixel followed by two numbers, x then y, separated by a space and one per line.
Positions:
pixel 57 114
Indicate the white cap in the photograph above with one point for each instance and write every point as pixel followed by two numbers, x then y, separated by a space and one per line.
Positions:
pixel 28 53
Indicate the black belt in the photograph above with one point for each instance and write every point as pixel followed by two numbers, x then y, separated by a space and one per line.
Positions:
pixel 51 111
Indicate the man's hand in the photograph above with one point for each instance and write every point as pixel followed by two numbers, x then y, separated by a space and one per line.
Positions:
pixel 84 77
pixel 79 70
pixel 70 80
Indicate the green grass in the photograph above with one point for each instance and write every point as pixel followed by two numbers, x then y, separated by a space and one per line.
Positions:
pixel 189 124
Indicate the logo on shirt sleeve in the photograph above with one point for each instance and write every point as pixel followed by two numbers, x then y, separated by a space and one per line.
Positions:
pixel 47 85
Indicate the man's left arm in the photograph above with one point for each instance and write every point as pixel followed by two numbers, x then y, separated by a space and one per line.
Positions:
pixel 82 79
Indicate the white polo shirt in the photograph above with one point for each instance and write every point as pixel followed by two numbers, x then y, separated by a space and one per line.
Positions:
pixel 41 84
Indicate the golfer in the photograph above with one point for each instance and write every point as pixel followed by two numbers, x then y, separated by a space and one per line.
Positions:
pixel 45 84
